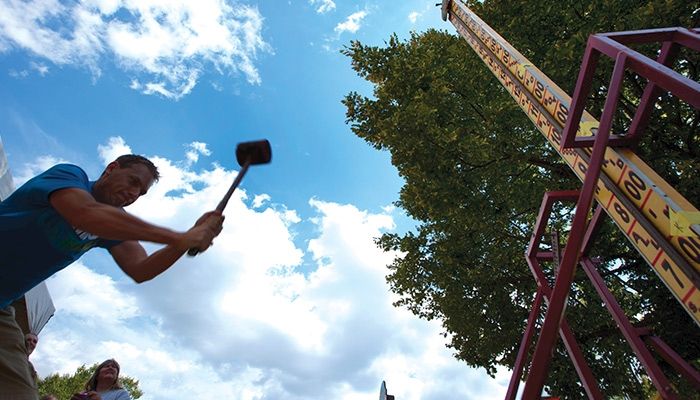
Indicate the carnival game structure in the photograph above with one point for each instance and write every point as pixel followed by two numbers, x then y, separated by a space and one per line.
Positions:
pixel 658 221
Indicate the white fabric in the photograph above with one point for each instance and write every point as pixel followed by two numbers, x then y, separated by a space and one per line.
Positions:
pixel 6 185
pixel 39 307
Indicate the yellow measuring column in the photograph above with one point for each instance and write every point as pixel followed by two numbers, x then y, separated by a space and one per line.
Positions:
pixel 657 220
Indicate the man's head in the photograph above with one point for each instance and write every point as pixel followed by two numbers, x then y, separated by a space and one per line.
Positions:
pixel 30 341
pixel 124 180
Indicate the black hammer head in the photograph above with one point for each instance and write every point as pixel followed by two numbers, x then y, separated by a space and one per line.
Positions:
pixel 255 152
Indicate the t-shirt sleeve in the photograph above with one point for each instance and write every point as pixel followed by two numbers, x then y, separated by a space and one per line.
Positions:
pixel 62 176
pixel 123 395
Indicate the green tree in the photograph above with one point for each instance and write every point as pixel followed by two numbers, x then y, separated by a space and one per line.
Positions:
pixel 475 170
pixel 64 386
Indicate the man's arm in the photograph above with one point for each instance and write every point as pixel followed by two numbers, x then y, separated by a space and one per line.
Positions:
pixel 133 260
pixel 82 211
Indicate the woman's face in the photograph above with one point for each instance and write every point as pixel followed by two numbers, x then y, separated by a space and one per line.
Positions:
pixel 108 373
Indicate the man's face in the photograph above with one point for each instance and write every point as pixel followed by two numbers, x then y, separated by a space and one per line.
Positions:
pixel 121 186
pixel 30 340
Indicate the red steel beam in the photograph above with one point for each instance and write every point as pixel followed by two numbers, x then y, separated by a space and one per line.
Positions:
pixel 543 215
pixel 680 365
pixel 630 332
pixel 522 351
pixel 682 87
pixel 588 381
pixel 562 285
pixel 534 255
pixel 669 50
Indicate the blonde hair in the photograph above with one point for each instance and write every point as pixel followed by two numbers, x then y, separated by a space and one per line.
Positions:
pixel 92 383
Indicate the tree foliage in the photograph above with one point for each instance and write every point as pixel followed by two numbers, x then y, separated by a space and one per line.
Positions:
pixel 64 386
pixel 475 170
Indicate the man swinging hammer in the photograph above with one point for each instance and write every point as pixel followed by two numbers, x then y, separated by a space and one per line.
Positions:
pixel 54 218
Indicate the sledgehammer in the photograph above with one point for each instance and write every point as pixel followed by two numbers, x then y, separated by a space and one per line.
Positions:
pixel 247 154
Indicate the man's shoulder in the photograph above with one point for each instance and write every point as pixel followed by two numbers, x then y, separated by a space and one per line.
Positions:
pixel 66 168
pixel 62 173
pixel 60 176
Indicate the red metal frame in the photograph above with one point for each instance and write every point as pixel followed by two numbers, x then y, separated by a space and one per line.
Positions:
pixel 533 257
pixel 660 78
pixel 636 337
pixel 548 334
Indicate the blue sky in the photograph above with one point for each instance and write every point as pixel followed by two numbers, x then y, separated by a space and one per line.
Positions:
pixel 291 302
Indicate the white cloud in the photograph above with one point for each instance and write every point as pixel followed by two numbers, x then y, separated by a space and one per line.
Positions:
pixel 413 16
pixel 183 87
pixel 39 165
pixel 260 199
pixel 167 45
pixel 19 74
pixel 114 148
pixel 242 320
pixel 41 68
pixel 217 86
pixel 352 23
pixel 195 149
pixel 105 303
pixel 324 6
pixel 389 209
pixel 200 147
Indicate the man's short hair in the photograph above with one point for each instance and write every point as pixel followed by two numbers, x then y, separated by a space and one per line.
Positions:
pixel 130 159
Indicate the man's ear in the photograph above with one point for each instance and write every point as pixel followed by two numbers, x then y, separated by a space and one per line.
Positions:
pixel 111 167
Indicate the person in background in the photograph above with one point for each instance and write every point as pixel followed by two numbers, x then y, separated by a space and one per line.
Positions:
pixel 30 341
pixel 104 384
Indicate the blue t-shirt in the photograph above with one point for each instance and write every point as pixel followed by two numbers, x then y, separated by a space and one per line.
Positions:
pixel 35 241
